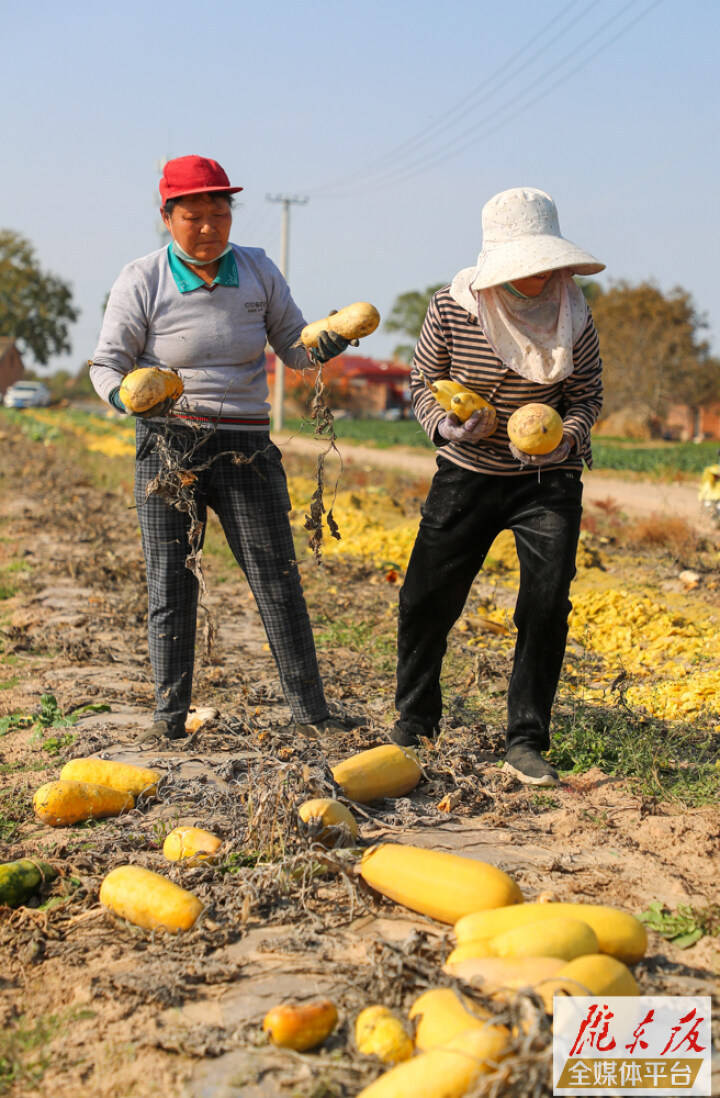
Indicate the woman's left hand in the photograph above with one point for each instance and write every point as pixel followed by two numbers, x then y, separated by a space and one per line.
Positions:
pixel 536 461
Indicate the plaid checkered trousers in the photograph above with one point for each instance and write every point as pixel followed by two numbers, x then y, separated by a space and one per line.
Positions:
pixel 251 500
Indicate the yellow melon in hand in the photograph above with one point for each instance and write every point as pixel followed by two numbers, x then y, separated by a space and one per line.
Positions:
pixel 535 429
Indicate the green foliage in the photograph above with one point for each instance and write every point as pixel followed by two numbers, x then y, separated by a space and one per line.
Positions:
pixel 380 433
pixel 36 307
pixel 407 316
pixel 666 760
pixel 653 351
pixel 658 461
pixel 685 926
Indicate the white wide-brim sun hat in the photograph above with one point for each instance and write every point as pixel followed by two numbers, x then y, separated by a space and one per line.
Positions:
pixel 521 237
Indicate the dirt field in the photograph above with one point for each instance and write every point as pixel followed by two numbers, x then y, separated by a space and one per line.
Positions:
pixel 91 1004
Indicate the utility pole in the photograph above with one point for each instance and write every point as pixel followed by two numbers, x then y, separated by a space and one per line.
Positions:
pixel 287 201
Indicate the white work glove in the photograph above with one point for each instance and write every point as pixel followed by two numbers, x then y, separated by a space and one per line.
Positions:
pixel 478 425
pixel 536 461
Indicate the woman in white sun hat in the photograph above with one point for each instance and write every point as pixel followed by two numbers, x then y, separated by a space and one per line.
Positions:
pixel 516 329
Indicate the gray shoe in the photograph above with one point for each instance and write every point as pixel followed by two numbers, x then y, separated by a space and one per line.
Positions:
pixel 326 728
pixel 160 732
pixel 528 766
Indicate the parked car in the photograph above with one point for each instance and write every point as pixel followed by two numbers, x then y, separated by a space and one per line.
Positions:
pixel 27 394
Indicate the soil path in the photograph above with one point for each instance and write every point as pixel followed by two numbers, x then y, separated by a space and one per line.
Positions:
pixel 638 497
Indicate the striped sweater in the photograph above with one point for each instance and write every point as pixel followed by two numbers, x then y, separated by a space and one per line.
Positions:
pixel 453 345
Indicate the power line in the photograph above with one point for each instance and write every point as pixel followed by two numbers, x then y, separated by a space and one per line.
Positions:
pixel 463 106
pixel 451 148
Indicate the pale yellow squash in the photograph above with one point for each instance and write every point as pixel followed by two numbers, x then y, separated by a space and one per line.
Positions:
pixel 148 900
pixel 441 1014
pixel 352 322
pixel 385 771
pixel 593 974
pixel 505 974
pixel 147 386
pixel 190 842
pixel 62 803
pixel 446 1072
pixel 324 817
pixel 535 429
pixel 443 886
pixel 618 933
pixel 561 937
pixel 379 1032
pixel 123 777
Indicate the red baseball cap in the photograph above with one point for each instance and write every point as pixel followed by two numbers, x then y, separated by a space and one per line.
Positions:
pixel 193 175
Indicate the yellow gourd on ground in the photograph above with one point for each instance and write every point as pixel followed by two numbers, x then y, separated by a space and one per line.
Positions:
pixel 594 974
pixel 116 775
pixel 62 803
pixel 301 1026
pixel 385 771
pixel 147 386
pixel 560 937
pixel 503 974
pixel 149 900
pixel 479 948
pixel 441 1014
pixel 618 933
pixel 325 819
pixel 379 1032
pixel 535 429
pixel 352 322
pixel 190 842
pixel 443 886
pixel 446 1072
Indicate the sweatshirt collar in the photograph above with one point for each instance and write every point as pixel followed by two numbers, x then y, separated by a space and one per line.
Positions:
pixel 187 281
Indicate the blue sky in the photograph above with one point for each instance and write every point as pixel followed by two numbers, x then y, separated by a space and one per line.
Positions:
pixel 397 119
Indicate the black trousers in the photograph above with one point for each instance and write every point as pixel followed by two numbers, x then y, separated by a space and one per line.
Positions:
pixel 461 517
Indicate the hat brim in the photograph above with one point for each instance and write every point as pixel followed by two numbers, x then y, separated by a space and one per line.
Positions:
pixel 201 190
pixel 529 255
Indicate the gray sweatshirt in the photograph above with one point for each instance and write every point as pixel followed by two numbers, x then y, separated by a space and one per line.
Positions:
pixel 215 340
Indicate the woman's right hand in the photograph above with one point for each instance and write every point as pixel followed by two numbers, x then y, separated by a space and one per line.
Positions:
pixel 477 426
pixel 160 409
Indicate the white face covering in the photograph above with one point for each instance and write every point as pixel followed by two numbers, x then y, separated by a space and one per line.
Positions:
pixel 535 336
pixel 198 262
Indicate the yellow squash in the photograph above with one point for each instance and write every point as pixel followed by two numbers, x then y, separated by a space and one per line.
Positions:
pixel 593 974
pixel 618 933
pixel 116 775
pixel 352 322
pixel 190 842
pixel 443 886
pixel 385 771
pixel 445 1072
pixel 501 975
pixel 561 937
pixel 149 385
pixel 301 1025
pixel 378 1032
pixel 62 803
pixel 149 900
pixel 457 398
pixel 326 819
pixel 441 1014
pixel 535 429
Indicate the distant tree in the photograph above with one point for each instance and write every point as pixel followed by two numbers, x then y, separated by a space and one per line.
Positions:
pixel 653 348
pixel 36 307
pixel 407 316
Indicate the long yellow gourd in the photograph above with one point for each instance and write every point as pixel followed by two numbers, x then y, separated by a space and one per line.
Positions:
pixel 594 974
pixel 561 937
pixel 352 322
pixel 149 900
pixel 62 803
pixel 123 777
pixel 618 933
pixel 385 771
pixel 446 1072
pixel 443 886
pixel 493 974
pixel 441 1014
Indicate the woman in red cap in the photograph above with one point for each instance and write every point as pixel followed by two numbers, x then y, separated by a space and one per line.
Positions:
pixel 206 308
